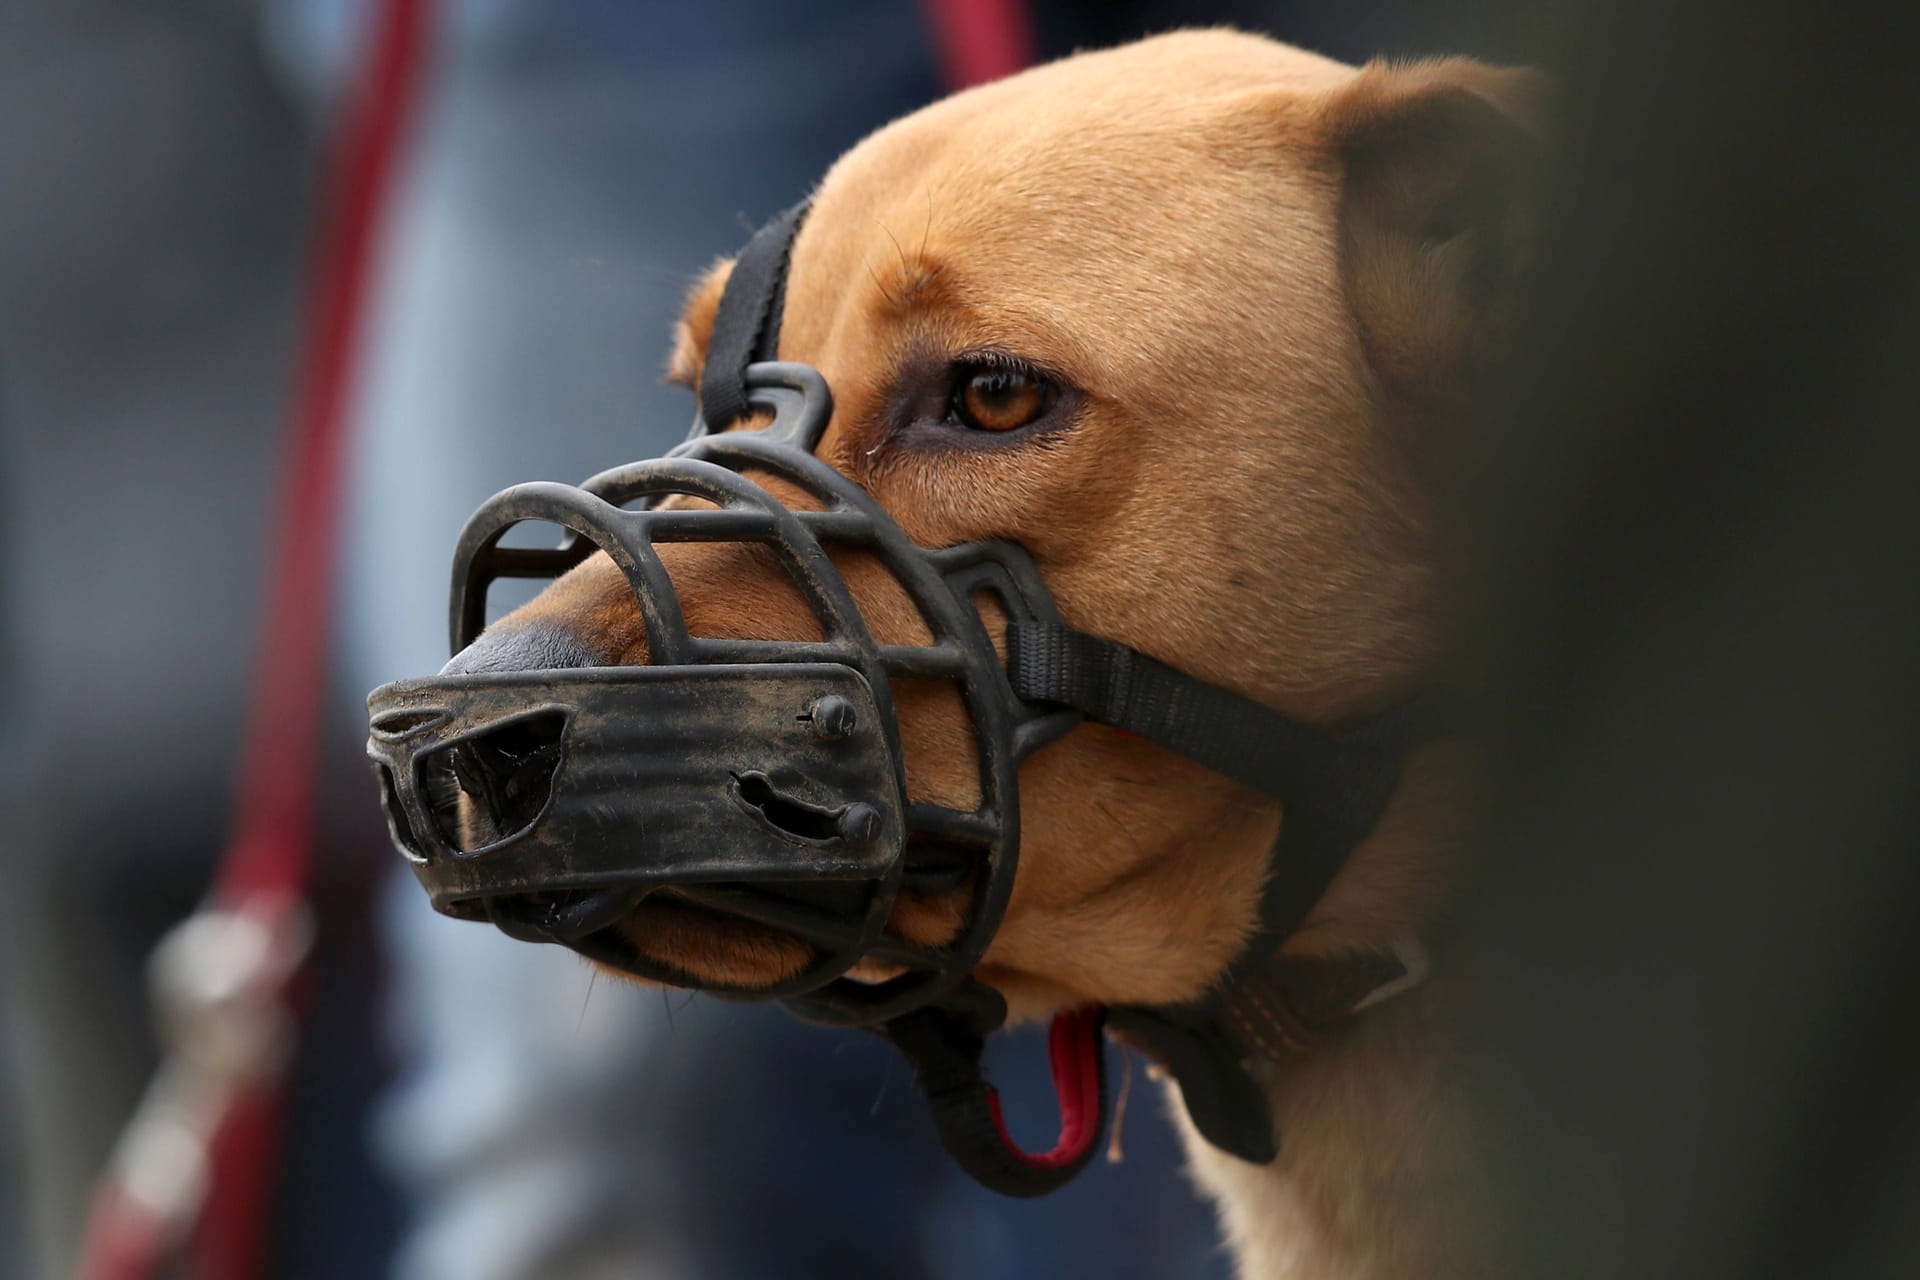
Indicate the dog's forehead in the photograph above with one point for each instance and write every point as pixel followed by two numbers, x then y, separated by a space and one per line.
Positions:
pixel 1059 203
pixel 1095 120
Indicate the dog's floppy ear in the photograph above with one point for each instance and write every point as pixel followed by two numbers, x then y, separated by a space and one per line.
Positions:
pixel 1439 161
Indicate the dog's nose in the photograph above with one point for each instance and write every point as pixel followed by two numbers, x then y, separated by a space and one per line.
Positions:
pixel 525 644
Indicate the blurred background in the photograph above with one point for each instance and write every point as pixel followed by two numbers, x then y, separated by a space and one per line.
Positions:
pixel 1693 507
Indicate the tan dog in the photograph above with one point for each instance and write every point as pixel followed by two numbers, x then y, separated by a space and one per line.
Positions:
pixel 1185 319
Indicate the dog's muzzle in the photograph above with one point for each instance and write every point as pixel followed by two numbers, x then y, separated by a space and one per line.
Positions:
pixel 762 780
pixel 759 778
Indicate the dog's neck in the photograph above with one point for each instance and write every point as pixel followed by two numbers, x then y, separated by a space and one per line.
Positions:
pixel 1373 1180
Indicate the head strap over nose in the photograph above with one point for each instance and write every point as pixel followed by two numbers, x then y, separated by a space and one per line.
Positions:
pixel 746 326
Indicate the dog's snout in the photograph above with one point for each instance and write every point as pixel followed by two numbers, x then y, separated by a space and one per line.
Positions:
pixel 526 644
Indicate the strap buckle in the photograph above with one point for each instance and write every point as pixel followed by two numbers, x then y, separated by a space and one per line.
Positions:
pixel 1416 965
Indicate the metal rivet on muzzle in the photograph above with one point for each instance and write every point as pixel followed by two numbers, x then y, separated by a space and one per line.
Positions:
pixel 860 823
pixel 832 718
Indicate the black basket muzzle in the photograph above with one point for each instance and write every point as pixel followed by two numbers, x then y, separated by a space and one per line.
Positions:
pixel 759 779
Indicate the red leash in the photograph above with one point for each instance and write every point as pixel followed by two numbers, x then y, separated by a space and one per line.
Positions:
pixel 194 1171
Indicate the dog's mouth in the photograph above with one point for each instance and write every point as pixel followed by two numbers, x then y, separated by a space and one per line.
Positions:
pixel 718 936
pixel 725 935
pixel 672 929
pixel 712 946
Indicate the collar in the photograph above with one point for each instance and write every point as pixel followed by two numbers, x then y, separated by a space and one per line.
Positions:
pixel 1289 1008
pixel 1269 1015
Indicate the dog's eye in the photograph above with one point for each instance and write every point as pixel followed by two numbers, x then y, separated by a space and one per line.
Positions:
pixel 991 397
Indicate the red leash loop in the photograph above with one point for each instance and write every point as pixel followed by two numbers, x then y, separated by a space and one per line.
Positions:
pixel 944 1044
pixel 194 1167
pixel 1073 1052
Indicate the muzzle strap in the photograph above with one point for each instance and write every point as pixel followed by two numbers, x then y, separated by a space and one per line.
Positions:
pixel 746 327
pixel 1253 744
pixel 1334 785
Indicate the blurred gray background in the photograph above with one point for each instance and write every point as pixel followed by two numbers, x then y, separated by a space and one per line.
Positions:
pixel 1691 512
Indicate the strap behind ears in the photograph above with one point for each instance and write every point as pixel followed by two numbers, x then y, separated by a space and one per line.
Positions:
pixel 746 326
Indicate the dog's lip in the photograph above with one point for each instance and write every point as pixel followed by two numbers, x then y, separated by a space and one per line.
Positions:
pixel 669 911
pixel 668 905
pixel 730 949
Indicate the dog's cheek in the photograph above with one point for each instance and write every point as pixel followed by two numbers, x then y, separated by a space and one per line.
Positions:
pixel 1140 874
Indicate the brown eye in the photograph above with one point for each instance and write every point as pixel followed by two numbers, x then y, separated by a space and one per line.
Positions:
pixel 1001 398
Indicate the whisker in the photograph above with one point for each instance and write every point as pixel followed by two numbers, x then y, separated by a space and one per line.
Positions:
pixel 891 300
pixel 904 264
pixel 593 976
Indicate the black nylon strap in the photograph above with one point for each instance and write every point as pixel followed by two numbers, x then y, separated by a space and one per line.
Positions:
pixel 944 1046
pixel 1334 787
pixel 746 326
pixel 1227 1106
pixel 1271 752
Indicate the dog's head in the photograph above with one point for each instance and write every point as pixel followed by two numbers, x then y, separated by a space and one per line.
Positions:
pixel 1184 320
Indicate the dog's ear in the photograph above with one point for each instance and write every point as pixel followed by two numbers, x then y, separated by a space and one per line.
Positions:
pixel 1439 162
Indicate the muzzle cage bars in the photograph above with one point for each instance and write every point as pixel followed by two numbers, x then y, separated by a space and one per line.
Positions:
pixel 831 873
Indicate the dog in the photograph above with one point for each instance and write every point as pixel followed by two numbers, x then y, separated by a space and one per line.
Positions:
pixel 1196 322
